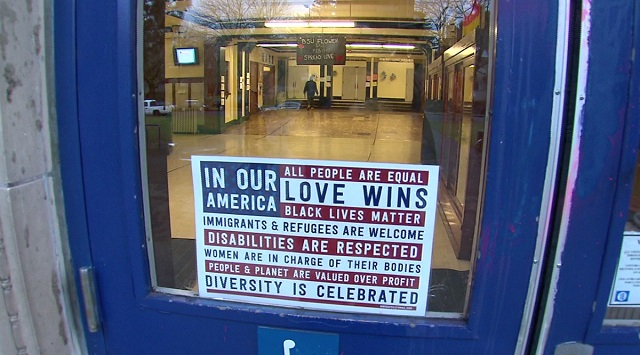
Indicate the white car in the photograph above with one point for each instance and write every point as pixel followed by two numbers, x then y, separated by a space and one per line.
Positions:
pixel 156 108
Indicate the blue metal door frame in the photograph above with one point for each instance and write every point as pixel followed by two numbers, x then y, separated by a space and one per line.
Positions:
pixel 600 178
pixel 66 81
pixel 97 94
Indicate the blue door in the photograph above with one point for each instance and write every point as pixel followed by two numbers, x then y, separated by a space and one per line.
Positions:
pixel 592 290
pixel 483 133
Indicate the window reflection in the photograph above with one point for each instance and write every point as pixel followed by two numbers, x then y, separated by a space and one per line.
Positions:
pixel 624 303
pixel 233 87
pixel 633 222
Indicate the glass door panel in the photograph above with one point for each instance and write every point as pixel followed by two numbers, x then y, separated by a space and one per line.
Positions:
pixel 390 134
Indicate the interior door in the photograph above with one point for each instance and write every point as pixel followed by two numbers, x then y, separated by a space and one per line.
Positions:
pixel 350 83
pixel 361 80
pixel 296 78
pixel 408 91
pixel 108 223
pixel 354 83
pixel 268 88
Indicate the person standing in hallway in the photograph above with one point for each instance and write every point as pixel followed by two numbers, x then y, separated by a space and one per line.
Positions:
pixel 310 90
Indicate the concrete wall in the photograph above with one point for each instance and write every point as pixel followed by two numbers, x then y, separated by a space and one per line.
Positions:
pixel 37 303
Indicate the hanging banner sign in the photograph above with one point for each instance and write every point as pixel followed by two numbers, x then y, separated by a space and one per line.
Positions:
pixel 326 235
pixel 321 49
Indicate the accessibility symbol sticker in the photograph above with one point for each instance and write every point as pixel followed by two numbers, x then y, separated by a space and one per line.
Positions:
pixel 622 296
pixel 273 341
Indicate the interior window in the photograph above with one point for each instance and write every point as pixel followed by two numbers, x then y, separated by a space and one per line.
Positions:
pixel 394 85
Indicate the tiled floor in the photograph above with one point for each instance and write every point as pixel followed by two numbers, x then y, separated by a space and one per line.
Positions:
pixel 346 135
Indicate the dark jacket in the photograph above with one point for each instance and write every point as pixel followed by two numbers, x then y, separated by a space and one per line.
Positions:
pixel 310 88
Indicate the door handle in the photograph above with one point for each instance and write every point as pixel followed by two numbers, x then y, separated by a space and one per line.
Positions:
pixel 88 286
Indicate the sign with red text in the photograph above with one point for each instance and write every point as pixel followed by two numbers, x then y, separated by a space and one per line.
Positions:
pixel 325 235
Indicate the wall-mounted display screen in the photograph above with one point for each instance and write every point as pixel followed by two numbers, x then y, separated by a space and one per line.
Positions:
pixel 185 56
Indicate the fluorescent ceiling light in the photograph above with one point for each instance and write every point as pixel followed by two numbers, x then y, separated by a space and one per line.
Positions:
pixel 398 46
pixel 280 24
pixel 352 46
pixel 267 45
pixel 332 24
pixel 299 24
pixel 364 46
pixel 380 46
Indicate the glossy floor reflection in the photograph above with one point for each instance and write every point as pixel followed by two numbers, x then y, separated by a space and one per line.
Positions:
pixel 346 135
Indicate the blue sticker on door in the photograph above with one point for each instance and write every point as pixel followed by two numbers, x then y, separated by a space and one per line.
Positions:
pixel 272 341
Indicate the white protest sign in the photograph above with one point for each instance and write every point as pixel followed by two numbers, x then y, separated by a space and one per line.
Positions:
pixel 326 235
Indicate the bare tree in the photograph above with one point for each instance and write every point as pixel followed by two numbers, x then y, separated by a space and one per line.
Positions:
pixel 213 18
pixel 153 48
pixel 442 15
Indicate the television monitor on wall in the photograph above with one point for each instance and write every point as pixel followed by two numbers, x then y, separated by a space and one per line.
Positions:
pixel 186 56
